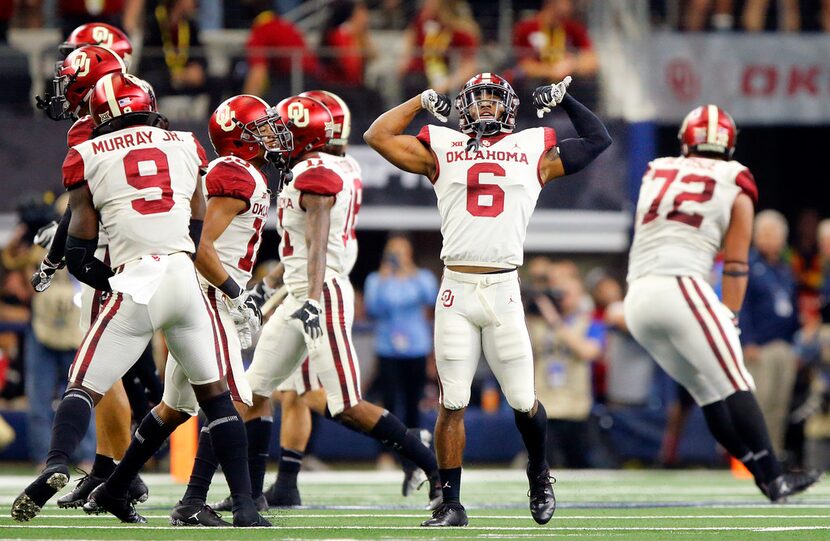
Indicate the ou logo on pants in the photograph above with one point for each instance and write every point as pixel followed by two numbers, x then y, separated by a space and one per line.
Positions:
pixel 447 298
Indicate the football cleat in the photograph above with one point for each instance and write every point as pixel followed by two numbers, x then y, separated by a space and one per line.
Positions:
pixel 277 497
pixel 414 477
pixel 199 514
pixel 436 493
pixel 102 501
pixel 34 497
pixel 542 500
pixel 78 496
pixel 447 514
pixel 138 492
pixel 790 484
pixel 227 504
pixel 250 518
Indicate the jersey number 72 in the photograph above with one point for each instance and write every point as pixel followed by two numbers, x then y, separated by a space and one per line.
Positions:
pixel 689 218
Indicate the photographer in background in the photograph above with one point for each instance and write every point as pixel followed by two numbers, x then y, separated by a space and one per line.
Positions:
pixel 398 297
pixel 565 339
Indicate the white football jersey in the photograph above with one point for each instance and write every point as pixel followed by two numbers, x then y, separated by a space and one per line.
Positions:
pixel 683 211
pixel 321 175
pixel 486 197
pixel 142 179
pixel 352 169
pixel 238 246
pixel 80 131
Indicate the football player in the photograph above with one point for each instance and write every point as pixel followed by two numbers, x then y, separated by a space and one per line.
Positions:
pixel 315 218
pixel 487 177
pixel 88 56
pixel 247 134
pixel 689 208
pixel 141 181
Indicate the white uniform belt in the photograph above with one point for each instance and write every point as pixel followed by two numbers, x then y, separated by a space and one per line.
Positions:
pixel 483 279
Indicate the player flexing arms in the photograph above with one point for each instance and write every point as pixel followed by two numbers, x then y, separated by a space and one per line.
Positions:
pixel 689 208
pixel 315 219
pixel 247 135
pixel 487 187
pixel 141 181
pixel 75 77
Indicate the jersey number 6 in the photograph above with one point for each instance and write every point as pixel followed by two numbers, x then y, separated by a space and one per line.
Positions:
pixel 476 191
pixel 143 180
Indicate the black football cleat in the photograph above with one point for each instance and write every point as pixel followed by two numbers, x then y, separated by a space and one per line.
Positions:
pixel 542 500
pixel 413 476
pixel 436 493
pixel 281 497
pixel 227 504
pixel 34 497
pixel 447 514
pixel 81 492
pixel 138 492
pixel 102 501
pixel 200 514
pixel 790 484
pixel 250 518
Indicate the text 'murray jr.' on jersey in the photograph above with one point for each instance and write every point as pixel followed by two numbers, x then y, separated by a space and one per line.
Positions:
pixel 683 211
pixel 486 197
pixel 142 179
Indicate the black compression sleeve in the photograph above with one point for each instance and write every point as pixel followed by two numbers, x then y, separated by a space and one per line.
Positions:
pixel 82 263
pixel 58 248
pixel 577 153
pixel 196 232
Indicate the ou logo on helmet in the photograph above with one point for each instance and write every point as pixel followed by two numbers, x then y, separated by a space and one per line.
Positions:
pixel 224 118
pixel 81 64
pixel 102 36
pixel 298 114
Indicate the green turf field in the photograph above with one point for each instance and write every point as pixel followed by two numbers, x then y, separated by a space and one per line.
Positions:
pixel 628 505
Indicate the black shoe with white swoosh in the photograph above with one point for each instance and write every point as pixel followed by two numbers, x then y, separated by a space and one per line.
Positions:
pixel 789 484
pixel 447 514
pixel 199 514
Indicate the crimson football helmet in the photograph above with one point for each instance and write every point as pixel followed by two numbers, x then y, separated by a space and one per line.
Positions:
pixel 244 125
pixel 708 129
pixel 487 105
pixel 341 116
pixel 101 34
pixel 75 78
pixel 118 97
pixel 310 122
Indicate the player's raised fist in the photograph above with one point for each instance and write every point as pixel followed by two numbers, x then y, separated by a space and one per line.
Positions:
pixel 42 278
pixel 437 104
pixel 547 97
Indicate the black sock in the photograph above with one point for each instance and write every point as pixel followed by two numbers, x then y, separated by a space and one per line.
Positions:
pixel 291 461
pixel 203 469
pixel 451 484
pixel 70 425
pixel 148 438
pixel 230 445
pixel 391 432
pixel 750 425
pixel 103 466
pixel 259 437
pixel 720 424
pixel 534 431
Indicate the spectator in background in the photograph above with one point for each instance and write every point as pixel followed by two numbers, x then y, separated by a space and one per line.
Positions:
pixel 754 16
pixel 696 15
pixel 172 60
pixel 768 321
pixel 551 45
pixel 824 264
pixel 398 296
pixel 806 260
pixel 565 340
pixel 812 345
pixel 73 13
pixel 442 30
pixel 14 68
pixel 273 46
pixel 346 36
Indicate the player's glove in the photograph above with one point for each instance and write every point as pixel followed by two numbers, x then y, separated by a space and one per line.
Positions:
pixel 42 278
pixel 309 315
pixel 46 234
pixel 437 104
pixel 547 97
pixel 261 293
pixel 247 317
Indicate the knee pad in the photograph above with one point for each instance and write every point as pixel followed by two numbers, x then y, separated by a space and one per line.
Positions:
pixel 520 399
pixel 456 399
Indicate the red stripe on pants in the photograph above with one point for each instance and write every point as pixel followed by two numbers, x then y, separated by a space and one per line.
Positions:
pixel 335 351
pixel 223 339
pixel 345 336
pixel 96 337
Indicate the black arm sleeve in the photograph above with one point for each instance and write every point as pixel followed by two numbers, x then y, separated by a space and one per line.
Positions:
pixel 82 263
pixel 195 231
pixel 58 248
pixel 576 154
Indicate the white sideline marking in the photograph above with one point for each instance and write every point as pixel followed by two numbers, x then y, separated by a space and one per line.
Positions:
pixel 280 515
pixel 467 528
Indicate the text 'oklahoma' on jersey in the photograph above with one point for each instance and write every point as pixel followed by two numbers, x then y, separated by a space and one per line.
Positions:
pixel 683 211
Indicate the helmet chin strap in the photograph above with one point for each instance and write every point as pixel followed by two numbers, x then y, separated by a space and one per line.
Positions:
pixel 481 128
pixel 280 164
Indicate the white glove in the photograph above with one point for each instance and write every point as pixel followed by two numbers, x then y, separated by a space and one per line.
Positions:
pixel 547 97
pixel 437 104
pixel 46 234
pixel 247 318
pixel 308 317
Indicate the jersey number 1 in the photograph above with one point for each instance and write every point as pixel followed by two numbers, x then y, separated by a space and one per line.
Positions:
pixel 140 181
pixel 689 218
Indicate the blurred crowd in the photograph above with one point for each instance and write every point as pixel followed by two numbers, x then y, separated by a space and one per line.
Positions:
pixel 744 15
